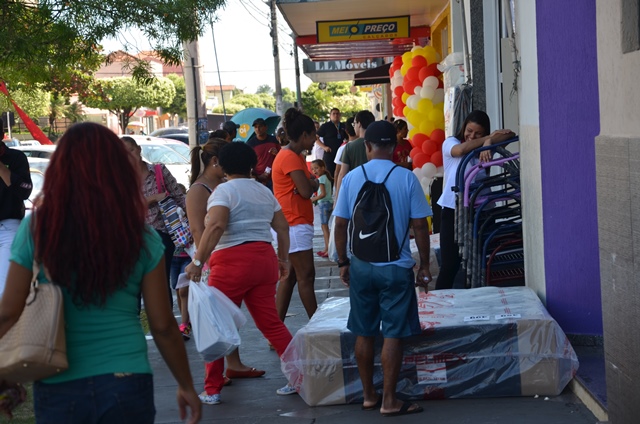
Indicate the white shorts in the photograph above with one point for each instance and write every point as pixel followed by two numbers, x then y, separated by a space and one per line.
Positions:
pixel 300 238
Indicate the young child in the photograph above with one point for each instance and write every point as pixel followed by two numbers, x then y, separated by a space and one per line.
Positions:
pixel 323 199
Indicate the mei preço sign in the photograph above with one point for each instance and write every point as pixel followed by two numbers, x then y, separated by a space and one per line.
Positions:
pixel 362 29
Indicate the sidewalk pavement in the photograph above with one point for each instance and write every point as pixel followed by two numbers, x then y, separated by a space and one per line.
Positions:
pixel 255 400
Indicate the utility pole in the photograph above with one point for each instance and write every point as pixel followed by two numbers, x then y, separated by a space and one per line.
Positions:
pixel 276 56
pixel 195 94
pixel 295 58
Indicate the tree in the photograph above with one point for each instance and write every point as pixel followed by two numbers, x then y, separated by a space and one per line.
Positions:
pixel 288 98
pixel 60 39
pixel 74 112
pixel 179 104
pixel 124 96
pixel 264 89
pixel 244 101
pixel 34 102
pixel 318 103
pixel 56 111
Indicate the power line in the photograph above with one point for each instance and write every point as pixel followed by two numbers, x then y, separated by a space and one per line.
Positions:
pixel 251 14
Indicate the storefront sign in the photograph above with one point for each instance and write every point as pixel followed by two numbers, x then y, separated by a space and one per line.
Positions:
pixel 362 29
pixel 341 65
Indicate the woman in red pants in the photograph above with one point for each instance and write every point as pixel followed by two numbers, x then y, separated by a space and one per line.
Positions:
pixel 240 214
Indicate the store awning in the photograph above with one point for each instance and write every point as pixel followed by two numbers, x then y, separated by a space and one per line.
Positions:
pixel 379 75
pixel 304 16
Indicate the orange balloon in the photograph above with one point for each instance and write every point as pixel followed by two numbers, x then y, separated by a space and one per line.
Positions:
pixel 429 147
pixel 414 152
pixel 420 159
pixel 438 136
pixel 436 159
pixel 412 74
pixel 419 61
pixel 418 139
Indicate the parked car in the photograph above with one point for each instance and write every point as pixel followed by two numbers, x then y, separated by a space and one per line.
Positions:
pixel 37 166
pixel 43 151
pixel 157 150
pixel 182 137
pixel 160 132
pixel 179 147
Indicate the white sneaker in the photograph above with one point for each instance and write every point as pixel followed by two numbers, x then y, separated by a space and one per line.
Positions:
pixel 286 390
pixel 210 399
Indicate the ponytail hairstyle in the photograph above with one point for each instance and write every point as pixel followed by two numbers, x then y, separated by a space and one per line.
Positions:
pixel 88 231
pixel 296 123
pixel 201 156
pixel 321 164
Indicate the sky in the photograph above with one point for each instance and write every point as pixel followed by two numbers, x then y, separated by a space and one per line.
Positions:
pixel 244 48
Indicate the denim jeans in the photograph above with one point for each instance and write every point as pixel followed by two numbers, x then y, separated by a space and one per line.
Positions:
pixel 108 398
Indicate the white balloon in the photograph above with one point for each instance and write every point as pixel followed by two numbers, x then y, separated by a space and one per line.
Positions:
pixel 397 80
pixel 416 90
pixel 440 171
pixel 397 74
pixel 409 125
pixel 425 183
pixel 418 173
pixel 427 93
pixel 438 97
pixel 429 170
pixel 412 101
pixel 430 81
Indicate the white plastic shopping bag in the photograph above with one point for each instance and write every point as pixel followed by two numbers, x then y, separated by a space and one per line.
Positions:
pixel 332 254
pixel 215 320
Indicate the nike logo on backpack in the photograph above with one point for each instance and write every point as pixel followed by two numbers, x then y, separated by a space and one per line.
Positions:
pixel 364 236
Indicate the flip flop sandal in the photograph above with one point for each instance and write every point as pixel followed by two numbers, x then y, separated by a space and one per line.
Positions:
pixel 377 405
pixel 404 410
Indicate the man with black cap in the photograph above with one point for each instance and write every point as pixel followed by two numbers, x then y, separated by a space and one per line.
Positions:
pixel 231 128
pixel 266 147
pixel 15 188
pixel 382 291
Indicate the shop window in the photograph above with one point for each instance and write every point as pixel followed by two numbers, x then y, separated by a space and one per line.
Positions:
pixel 630 25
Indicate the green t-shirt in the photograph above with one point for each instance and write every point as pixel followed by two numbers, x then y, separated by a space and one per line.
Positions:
pixel 327 189
pixel 107 339
pixel 354 154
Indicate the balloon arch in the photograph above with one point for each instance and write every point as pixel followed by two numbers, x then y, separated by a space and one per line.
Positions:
pixel 418 97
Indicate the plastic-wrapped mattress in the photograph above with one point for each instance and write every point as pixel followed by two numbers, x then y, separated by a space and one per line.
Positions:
pixel 475 343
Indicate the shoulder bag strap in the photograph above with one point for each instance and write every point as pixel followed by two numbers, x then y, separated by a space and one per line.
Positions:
pixel 159 178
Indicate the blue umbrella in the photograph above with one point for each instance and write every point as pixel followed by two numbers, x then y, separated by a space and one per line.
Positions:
pixel 245 119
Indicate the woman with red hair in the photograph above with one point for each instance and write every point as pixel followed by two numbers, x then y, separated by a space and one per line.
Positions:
pixel 89 233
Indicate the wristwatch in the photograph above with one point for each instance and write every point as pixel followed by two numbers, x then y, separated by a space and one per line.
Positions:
pixel 344 263
pixel 197 263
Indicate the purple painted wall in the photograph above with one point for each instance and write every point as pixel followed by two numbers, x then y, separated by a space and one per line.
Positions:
pixel 569 123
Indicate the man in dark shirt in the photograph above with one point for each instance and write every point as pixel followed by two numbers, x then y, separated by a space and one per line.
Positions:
pixel 15 188
pixel 330 137
pixel 266 147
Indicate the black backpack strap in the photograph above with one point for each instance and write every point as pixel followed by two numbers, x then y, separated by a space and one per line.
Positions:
pixel 387 177
pixel 365 173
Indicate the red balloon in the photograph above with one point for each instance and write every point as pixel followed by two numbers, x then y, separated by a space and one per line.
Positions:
pixel 438 136
pixel 419 62
pixel 412 74
pixel 423 74
pixel 440 83
pixel 414 152
pixel 429 147
pixel 418 139
pixel 410 86
pixel 392 70
pixel 397 61
pixel 420 159
pixel 398 91
pixel 433 70
pixel 398 112
pixel 436 159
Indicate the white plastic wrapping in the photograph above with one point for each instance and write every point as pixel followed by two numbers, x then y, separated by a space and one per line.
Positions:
pixel 482 342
